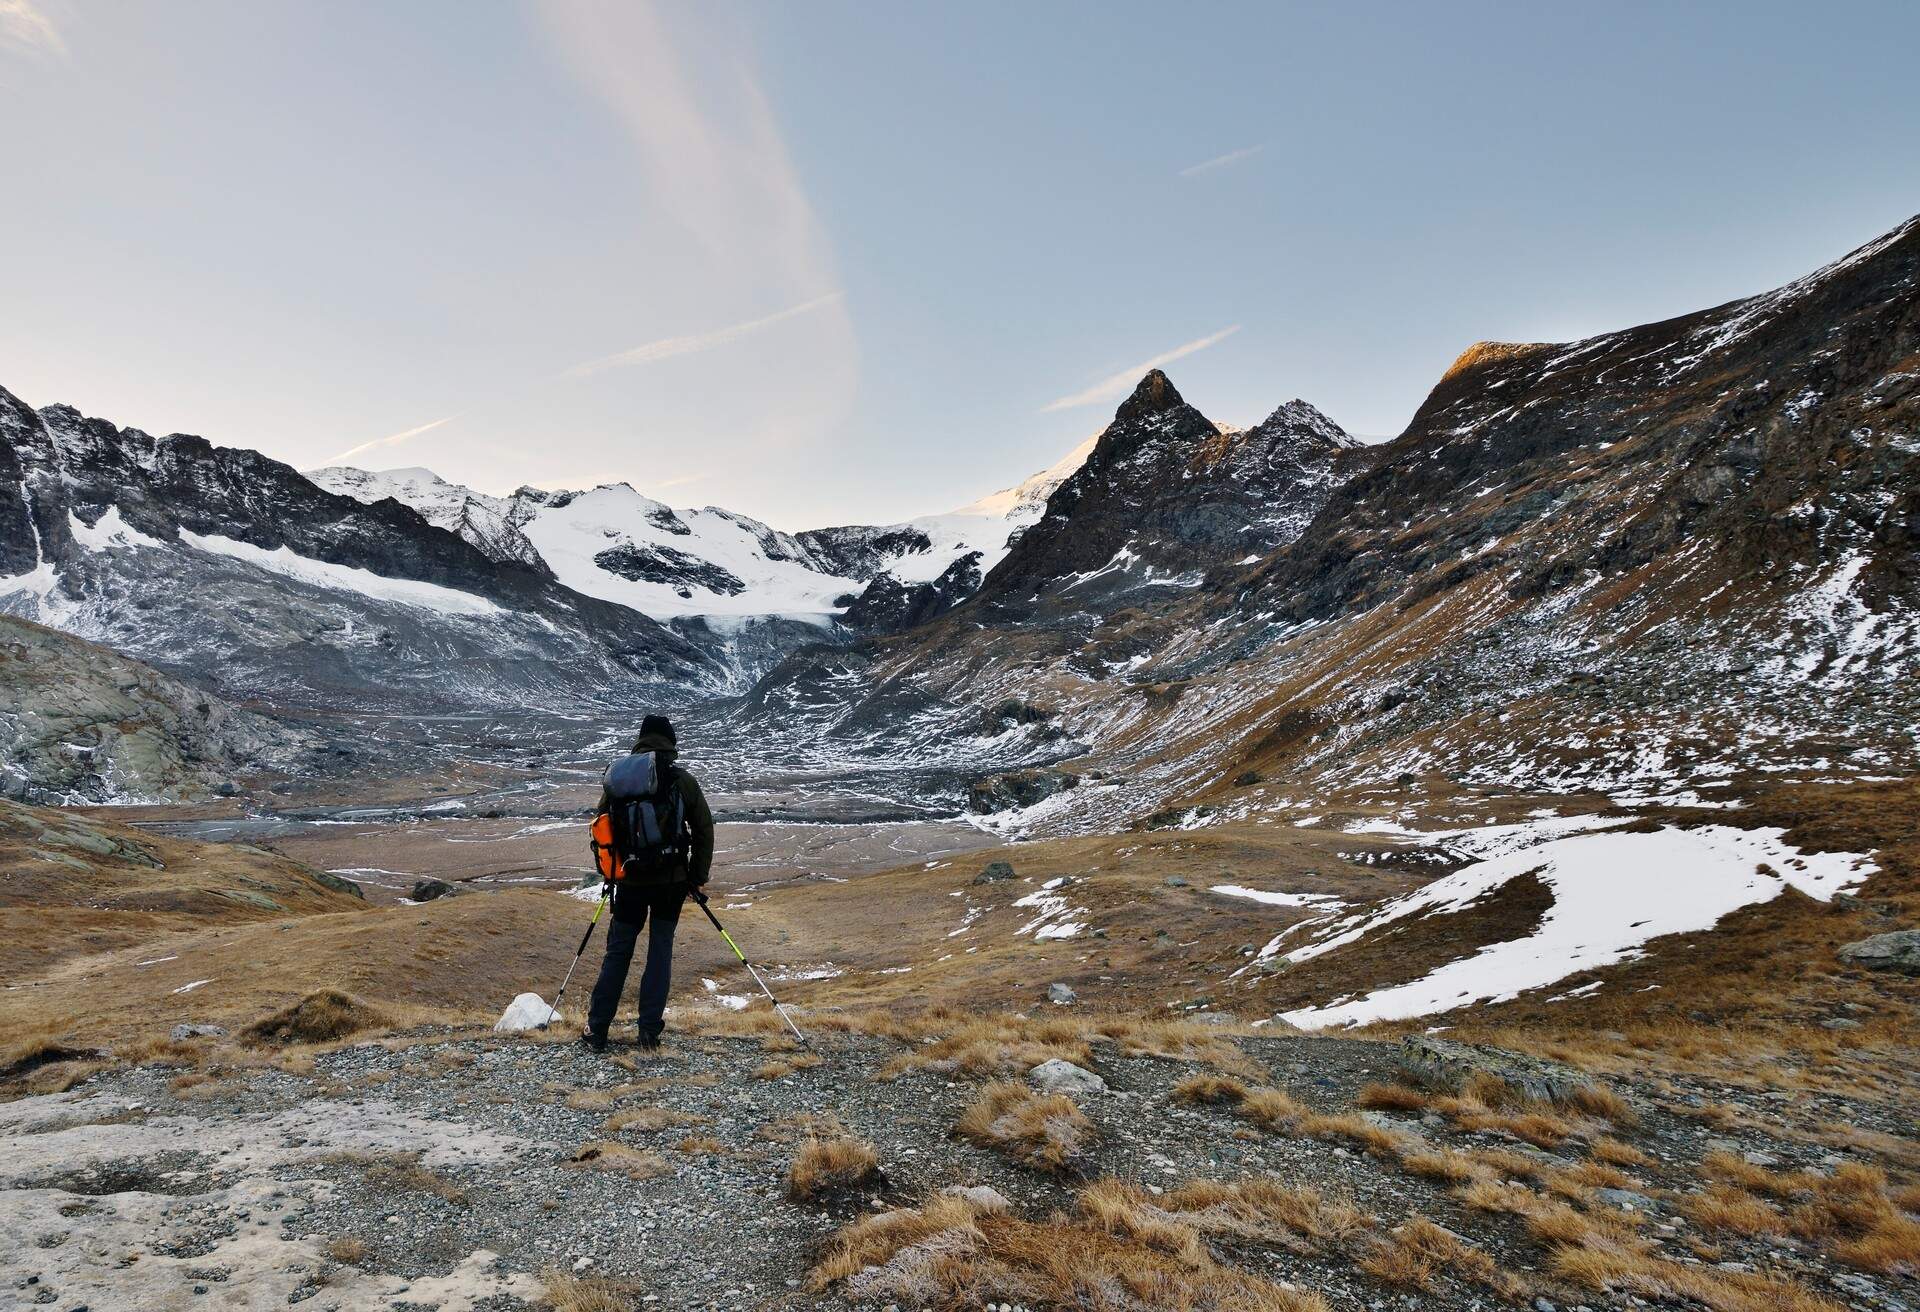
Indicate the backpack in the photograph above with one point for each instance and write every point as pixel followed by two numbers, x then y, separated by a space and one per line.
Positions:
pixel 642 838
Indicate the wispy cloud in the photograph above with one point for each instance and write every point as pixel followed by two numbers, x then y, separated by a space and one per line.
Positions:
pixel 391 439
pixel 667 347
pixel 1118 384
pixel 1221 161
pixel 24 26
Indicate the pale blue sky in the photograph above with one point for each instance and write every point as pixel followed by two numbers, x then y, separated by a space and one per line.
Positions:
pixel 850 262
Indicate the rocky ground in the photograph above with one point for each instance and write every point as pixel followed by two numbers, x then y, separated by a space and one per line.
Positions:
pixel 472 1171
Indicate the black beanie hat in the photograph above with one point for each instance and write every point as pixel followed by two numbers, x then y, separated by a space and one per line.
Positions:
pixel 659 724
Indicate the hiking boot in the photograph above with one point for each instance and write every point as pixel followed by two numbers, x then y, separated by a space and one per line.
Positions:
pixel 649 1040
pixel 593 1042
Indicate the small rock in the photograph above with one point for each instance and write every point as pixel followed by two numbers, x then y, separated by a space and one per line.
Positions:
pixel 1543 1305
pixel 1625 1199
pixel 426 890
pixel 995 872
pixel 983 1196
pixel 1057 1076
pixel 1060 995
pixel 182 1032
pixel 1757 1158
pixel 1175 881
pixel 1839 1023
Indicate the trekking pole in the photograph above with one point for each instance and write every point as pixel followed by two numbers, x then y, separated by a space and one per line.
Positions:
pixel 605 888
pixel 701 898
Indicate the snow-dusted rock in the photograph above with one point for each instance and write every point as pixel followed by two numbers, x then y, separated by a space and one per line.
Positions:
pixel 527 1012
pixel 1060 995
pixel 1057 1076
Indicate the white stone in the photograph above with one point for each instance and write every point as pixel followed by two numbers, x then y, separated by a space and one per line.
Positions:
pixel 527 1012
pixel 1057 1076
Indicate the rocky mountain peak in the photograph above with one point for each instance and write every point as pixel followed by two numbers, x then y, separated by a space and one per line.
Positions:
pixel 1152 395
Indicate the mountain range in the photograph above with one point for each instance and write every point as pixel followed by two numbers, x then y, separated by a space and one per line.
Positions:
pixel 1658 557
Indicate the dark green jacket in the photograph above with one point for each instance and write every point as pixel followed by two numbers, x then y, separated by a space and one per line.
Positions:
pixel 699 817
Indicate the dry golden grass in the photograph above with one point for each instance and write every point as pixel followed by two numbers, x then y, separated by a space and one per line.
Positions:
pixel 1273 1109
pixel 1266 1210
pixel 987 1046
pixel 1364 1134
pixel 1208 1089
pixel 795 1126
pixel 620 1160
pixel 1445 1166
pixel 323 1016
pixel 1728 1209
pixel 828 1166
pixel 1045 1132
pixel 780 1067
pixel 1616 1152
pixel 950 1254
pixel 1392 1097
pixel 347 1251
pixel 1600 1249
pixel 566 1292
pixel 649 1120
pixel 702 1145
pixel 1414 1253
pixel 1852 1214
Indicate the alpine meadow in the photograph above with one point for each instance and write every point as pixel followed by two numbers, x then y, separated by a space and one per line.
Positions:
pixel 1252 863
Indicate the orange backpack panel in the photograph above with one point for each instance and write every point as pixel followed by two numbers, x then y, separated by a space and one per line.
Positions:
pixel 601 843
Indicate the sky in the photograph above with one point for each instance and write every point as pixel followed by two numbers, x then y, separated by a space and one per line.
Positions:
pixel 833 263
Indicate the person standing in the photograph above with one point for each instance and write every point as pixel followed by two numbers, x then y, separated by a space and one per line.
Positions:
pixel 662 840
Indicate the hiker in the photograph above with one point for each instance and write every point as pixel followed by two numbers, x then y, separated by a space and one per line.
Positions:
pixel 662 845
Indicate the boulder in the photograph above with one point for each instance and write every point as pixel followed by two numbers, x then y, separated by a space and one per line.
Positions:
pixel 1897 951
pixel 1445 1064
pixel 1057 1076
pixel 1060 995
pixel 182 1032
pixel 426 890
pixel 995 872
pixel 1017 788
pixel 529 1011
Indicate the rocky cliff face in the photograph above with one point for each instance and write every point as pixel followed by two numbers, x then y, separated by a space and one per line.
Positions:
pixel 235 570
pixel 1655 560
pixel 1166 495
pixel 79 723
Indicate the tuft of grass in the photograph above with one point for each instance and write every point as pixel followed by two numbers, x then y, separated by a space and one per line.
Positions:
pixel 1274 1109
pixel 1208 1089
pixel 1046 1132
pixel 1392 1097
pixel 323 1016
pixel 951 1254
pixel 1727 1209
pixel 649 1120
pixel 1615 1152
pixel 619 1159
pixel 1370 1138
pixel 566 1292
pixel 701 1145
pixel 1852 1214
pixel 781 1067
pixel 347 1251
pixel 1413 1254
pixel 829 1166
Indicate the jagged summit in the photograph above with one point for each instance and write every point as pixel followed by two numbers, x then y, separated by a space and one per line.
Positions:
pixel 1153 395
